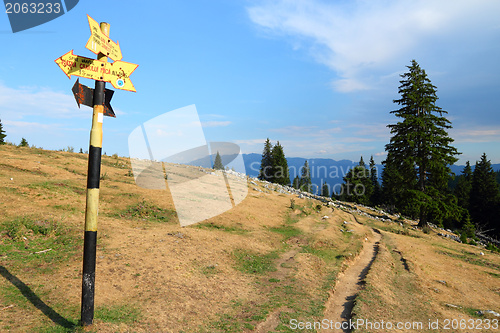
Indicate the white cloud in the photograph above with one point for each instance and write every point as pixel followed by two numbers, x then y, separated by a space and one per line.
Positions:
pixel 307 131
pixel 360 36
pixel 251 142
pixel 16 104
pixel 29 126
pixel 475 135
pixel 215 123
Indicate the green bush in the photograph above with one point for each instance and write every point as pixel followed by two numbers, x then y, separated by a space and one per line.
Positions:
pixel 492 247
pixel 463 238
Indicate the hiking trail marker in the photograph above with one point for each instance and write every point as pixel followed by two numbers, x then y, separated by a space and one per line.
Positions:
pixel 100 70
pixel 99 42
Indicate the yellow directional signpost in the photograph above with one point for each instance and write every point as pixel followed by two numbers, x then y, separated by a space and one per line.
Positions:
pixel 99 42
pixel 100 70
pixel 116 73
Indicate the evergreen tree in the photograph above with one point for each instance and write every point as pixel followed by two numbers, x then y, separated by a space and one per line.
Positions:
pixel 218 162
pixel 361 162
pixel 484 196
pixel 357 185
pixel 2 134
pixel 419 152
pixel 464 185
pixel 24 143
pixel 266 163
pixel 296 182
pixel 305 183
pixel 325 190
pixel 280 173
pixel 375 198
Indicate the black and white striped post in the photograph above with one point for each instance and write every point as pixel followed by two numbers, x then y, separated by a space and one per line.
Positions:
pixel 91 210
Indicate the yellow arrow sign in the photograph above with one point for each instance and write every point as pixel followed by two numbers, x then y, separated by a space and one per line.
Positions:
pixel 116 73
pixel 99 42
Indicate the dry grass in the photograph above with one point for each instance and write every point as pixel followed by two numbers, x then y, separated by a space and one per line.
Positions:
pixel 226 274
pixel 254 267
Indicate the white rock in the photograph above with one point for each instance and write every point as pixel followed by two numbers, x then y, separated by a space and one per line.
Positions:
pixel 12 179
pixel 481 253
pixel 496 314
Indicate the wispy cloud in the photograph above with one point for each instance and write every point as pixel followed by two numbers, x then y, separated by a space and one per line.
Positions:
pixel 360 37
pixel 215 123
pixel 251 142
pixel 308 131
pixel 18 103
pixel 477 135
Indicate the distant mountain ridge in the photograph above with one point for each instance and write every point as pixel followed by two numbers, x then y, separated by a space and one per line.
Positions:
pixel 326 169
pixel 322 169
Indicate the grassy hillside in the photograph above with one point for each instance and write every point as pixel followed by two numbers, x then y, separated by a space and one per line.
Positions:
pixel 253 268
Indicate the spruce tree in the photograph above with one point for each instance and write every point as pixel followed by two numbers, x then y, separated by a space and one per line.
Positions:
pixel 296 182
pixel 325 190
pixel 218 162
pixel 2 134
pixel 420 151
pixel 464 185
pixel 375 198
pixel 305 183
pixel 484 197
pixel 279 164
pixel 357 185
pixel 266 163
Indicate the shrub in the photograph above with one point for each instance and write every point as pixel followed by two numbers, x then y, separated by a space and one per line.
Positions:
pixel 463 238
pixel 492 247
pixel 24 143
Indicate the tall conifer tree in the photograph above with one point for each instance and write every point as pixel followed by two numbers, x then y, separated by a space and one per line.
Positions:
pixel 305 183
pixel 279 164
pixel 218 162
pixel 376 192
pixel 484 197
pixel 266 163
pixel 2 134
pixel 420 151
pixel 464 185
pixel 325 190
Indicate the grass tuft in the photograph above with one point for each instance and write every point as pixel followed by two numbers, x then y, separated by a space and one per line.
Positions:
pixel 254 263
pixel 147 211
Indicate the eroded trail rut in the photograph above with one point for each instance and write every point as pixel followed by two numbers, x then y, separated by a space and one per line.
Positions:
pixel 341 301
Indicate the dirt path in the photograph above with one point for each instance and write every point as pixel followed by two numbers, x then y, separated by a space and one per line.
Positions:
pixel 339 305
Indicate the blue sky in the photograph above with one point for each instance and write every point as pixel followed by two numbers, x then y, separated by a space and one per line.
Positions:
pixel 319 76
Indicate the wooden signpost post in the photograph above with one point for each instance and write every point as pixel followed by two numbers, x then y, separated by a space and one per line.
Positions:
pixel 100 70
